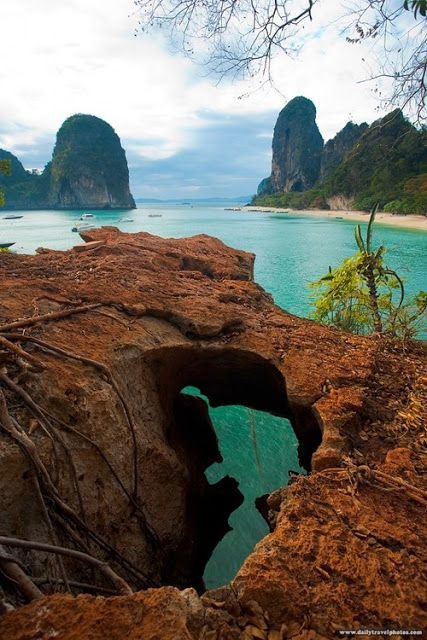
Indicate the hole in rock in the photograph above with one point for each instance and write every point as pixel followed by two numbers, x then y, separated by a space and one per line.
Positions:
pixel 228 419
pixel 258 450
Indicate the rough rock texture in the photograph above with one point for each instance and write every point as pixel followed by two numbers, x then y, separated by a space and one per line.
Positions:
pixel 346 548
pixel 88 170
pixel 297 148
pixel 336 149
pixel 89 167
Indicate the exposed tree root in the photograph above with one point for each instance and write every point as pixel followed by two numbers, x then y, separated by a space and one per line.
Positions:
pixel 57 504
pixel 109 376
pixel 6 344
pixel 366 475
pixel 11 568
pixel 48 428
pixel 120 584
pixel 48 317
pixel 79 586
pixel 58 514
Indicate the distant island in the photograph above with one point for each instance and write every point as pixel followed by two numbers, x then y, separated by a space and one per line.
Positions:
pixel 88 170
pixel 189 201
pixel 384 163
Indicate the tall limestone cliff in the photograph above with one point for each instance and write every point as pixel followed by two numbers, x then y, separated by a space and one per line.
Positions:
pixel 336 149
pixel 383 164
pixel 88 170
pixel 89 167
pixel 297 148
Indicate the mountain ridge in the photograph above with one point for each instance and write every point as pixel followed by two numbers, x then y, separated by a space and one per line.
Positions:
pixel 384 163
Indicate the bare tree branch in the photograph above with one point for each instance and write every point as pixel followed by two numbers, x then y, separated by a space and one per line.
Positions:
pixel 241 37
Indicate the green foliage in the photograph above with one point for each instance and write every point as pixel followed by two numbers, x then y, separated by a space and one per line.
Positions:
pixel 5 169
pixel 386 157
pixel 417 6
pixel 293 199
pixel 363 296
pixel 387 166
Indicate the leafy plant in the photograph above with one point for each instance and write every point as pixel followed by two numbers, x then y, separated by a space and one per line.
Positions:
pixel 364 296
pixel 5 168
pixel 416 6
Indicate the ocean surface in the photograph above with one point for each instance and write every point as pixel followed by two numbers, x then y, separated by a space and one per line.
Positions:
pixel 291 251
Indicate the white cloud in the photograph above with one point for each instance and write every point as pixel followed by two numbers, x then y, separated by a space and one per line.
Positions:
pixel 82 56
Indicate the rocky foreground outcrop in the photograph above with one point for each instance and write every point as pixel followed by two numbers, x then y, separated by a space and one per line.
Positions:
pixel 101 452
pixel 88 170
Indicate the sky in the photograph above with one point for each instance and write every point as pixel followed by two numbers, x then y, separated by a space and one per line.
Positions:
pixel 185 135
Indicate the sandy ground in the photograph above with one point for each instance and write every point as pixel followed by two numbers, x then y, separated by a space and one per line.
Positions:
pixel 411 221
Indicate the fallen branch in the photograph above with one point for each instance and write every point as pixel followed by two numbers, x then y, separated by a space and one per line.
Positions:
pixel 121 585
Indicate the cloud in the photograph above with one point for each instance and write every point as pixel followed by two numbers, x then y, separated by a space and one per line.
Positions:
pixel 180 129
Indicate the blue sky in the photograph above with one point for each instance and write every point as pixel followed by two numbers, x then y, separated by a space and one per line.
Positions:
pixel 184 135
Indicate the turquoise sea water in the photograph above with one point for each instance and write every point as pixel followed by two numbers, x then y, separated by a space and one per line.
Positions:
pixel 291 250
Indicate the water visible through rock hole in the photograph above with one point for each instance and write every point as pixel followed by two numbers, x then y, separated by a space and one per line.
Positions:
pixel 258 450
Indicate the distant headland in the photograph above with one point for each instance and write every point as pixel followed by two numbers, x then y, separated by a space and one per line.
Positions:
pixel 382 164
pixel 88 170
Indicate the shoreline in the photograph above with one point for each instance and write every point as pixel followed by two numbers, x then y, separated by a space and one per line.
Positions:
pixel 410 221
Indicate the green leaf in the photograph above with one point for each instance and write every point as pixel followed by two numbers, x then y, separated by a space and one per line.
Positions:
pixel 370 226
pixel 359 239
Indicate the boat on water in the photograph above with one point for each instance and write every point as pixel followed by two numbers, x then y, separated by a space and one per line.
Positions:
pixel 82 227
pixel 339 218
pixel 12 217
pixel 6 245
pixel 126 220
pixel 155 215
pixel 232 209
pixel 87 216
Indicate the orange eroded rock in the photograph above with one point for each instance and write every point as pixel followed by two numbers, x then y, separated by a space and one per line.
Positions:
pixel 346 548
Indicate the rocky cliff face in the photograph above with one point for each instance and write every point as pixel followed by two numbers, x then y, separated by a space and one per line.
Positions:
pixel 336 149
pixel 89 167
pixel 88 170
pixel 97 344
pixel 297 148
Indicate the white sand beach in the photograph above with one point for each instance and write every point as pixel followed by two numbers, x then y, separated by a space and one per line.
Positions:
pixel 410 221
